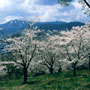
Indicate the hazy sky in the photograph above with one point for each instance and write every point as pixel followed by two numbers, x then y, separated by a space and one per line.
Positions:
pixel 41 10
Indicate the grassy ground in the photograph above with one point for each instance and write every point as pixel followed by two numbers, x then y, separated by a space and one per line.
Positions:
pixel 59 81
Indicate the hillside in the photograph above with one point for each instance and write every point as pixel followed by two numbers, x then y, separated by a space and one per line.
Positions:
pixel 15 26
pixel 58 81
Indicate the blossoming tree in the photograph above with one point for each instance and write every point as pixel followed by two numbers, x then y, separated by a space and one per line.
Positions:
pixel 73 45
pixel 79 38
pixel 23 49
pixel 50 55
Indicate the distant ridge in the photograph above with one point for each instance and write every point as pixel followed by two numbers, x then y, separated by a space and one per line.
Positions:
pixel 15 26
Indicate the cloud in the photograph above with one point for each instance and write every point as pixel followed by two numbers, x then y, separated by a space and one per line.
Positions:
pixel 42 10
pixel 56 12
pixel 4 4
pixel 76 4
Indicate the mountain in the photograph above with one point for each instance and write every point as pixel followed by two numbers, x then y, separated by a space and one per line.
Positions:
pixel 15 26
pixel 58 25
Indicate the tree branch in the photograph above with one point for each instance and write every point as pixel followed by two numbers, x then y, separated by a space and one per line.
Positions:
pixel 31 56
pixel 87 3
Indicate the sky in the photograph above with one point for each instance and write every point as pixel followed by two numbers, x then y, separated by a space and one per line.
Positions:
pixel 41 11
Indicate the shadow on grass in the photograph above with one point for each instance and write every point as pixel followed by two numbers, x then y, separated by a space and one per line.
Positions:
pixel 51 81
pixel 33 82
pixel 87 86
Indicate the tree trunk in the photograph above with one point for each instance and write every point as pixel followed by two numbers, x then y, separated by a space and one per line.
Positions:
pixel 74 71
pixel 89 62
pixel 25 75
pixel 51 70
pixel 60 69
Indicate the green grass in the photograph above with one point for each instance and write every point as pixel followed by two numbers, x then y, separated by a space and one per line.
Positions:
pixel 59 81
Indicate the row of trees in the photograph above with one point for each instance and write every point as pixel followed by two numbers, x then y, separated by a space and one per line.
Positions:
pixel 55 51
